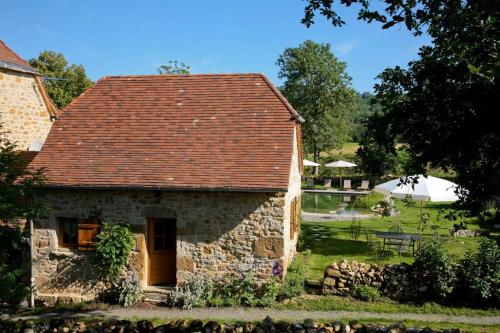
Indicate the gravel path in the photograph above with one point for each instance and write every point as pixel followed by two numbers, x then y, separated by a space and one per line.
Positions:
pixel 259 314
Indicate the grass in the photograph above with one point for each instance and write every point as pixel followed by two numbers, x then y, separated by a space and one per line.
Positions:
pixel 384 305
pixel 332 241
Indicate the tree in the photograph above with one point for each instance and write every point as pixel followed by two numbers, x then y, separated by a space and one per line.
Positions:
pixel 316 84
pixel 365 106
pixel 17 185
pixel 444 105
pixel 174 68
pixel 63 82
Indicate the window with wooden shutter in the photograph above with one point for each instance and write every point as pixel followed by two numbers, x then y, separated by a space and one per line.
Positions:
pixel 78 233
pixel 87 233
pixel 68 232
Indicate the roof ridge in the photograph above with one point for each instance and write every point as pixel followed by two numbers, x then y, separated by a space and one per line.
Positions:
pixel 180 75
pixel 27 64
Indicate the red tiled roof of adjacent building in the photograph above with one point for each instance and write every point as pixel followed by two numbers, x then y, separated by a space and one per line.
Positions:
pixel 7 55
pixel 209 132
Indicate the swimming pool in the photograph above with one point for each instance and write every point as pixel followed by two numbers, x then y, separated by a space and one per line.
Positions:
pixel 325 203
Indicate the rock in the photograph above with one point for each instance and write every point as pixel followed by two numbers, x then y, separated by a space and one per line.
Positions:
pixel 309 323
pixel 144 326
pixel 333 272
pixel 248 327
pixel 397 328
pixel 329 282
pixel 337 326
pixel 267 322
pixel 355 325
pixel 196 325
pixel 210 327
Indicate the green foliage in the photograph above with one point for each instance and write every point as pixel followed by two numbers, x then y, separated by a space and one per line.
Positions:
pixel 368 201
pixel 113 245
pixel 269 292
pixel 194 293
pixel 63 82
pixel 316 84
pixel 128 289
pixel 17 184
pixel 174 68
pixel 481 273
pixel 14 264
pixel 293 285
pixel 366 293
pixel 434 270
pixel 230 291
pixel 373 157
pixel 237 290
pixel 365 105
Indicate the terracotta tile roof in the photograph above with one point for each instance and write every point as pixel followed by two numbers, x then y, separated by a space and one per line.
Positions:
pixel 210 132
pixel 7 55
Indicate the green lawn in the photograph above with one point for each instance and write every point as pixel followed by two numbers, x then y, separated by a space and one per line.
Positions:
pixel 332 241
pixel 384 305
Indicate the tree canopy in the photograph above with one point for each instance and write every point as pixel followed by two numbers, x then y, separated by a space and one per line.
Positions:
pixel 317 86
pixel 443 106
pixel 174 67
pixel 63 82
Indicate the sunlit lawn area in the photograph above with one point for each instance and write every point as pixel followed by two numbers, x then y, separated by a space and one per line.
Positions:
pixel 332 241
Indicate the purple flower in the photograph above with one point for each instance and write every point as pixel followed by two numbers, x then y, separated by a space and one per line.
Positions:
pixel 277 269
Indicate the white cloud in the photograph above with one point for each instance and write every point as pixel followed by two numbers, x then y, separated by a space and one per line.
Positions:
pixel 345 48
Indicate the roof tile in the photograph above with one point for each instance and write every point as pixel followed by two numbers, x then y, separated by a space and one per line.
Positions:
pixel 214 131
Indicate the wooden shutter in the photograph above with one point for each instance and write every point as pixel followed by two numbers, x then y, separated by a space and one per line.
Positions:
pixel 87 232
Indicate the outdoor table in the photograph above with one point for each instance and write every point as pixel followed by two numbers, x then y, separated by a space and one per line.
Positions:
pixel 390 237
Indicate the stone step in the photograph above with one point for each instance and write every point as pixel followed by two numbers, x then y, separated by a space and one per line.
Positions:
pixel 157 294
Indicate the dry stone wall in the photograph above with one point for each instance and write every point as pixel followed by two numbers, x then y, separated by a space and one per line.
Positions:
pixel 191 326
pixel 392 280
pixel 217 234
pixel 22 110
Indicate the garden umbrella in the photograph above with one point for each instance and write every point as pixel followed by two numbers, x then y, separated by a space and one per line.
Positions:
pixel 311 163
pixel 427 189
pixel 340 164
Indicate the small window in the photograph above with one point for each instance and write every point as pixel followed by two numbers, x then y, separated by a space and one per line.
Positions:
pixel 68 228
pixel 164 235
pixel 78 233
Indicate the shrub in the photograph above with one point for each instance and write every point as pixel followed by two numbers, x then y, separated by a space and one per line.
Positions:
pixel 237 290
pixel 14 264
pixel 366 293
pixel 113 246
pixel 481 272
pixel 269 293
pixel 129 290
pixel 293 285
pixel 433 271
pixel 192 294
pixel 368 201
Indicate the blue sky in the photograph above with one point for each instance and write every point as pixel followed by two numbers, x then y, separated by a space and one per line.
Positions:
pixel 218 36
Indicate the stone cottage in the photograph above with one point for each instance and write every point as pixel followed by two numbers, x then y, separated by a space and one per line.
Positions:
pixel 26 112
pixel 205 169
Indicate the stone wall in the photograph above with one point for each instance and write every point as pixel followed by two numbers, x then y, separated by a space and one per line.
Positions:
pixel 294 191
pixel 392 281
pixel 22 110
pixel 187 326
pixel 217 234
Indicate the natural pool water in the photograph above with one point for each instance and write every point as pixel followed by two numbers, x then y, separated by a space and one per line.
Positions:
pixel 325 203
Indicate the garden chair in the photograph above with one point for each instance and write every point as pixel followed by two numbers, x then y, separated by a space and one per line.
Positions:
pixel 396 228
pixel 310 182
pixel 328 183
pixel 347 184
pixel 365 185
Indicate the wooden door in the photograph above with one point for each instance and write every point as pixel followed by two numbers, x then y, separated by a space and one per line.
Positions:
pixel 161 247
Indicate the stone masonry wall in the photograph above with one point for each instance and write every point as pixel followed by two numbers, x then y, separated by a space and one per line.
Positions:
pixel 217 234
pixel 294 191
pixel 22 110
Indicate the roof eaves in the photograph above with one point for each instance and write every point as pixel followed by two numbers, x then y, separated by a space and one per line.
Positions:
pixel 18 68
pixel 163 188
